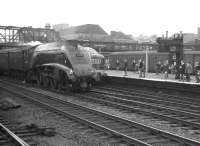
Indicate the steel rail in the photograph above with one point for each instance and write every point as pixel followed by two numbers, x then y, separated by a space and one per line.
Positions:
pixel 119 105
pixel 163 103
pixel 150 94
pixel 15 139
pixel 78 119
pixel 152 106
pixel 151 113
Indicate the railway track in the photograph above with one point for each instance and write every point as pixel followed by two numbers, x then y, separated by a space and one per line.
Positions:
pixel 152 94
pixel 12 134
pixel 157 100
pixel 120 129
pixel 183 118
pixel 8 138
pixel 186 120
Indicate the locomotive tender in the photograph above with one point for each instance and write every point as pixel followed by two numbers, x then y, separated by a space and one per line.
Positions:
pixel 57 65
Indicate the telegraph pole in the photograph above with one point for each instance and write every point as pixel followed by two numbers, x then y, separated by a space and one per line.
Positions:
pixel 146 59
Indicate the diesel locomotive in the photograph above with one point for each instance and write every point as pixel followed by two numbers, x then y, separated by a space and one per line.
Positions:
pixel 58 65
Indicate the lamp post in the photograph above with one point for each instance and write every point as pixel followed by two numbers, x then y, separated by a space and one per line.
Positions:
pixel 146 59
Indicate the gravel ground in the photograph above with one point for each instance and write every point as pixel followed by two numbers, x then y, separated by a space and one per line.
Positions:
pixel 162 124
pixel 68 133
pixel 158 92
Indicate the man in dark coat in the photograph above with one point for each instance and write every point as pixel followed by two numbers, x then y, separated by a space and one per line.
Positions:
pixel 158 66
pixel 125 67
pixel 188 71
pixel 134 65
pixel 182 70
pixel 140 67
pixel 166 69
pixel 197 72
pixel 117 64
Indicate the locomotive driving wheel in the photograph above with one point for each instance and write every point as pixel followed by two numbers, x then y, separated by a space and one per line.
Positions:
pixel 53 84
pixel 89 87
pixel 29 76
pixel 39 80
pixel 45 81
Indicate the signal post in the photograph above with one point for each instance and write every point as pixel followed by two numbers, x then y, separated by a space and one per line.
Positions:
pixel 174 46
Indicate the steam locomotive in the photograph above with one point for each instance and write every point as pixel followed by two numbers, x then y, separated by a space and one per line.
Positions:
pixel 58 65
pixel 97 60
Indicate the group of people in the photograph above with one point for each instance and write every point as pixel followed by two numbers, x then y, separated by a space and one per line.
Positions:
pixel 165 68
pixel 182 71
pixel 140 67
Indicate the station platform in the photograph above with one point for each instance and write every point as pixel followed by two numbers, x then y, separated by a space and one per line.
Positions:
pixel 149 76
pixel 152 80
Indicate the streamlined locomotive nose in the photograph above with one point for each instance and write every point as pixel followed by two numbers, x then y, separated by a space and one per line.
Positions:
pixel 82 70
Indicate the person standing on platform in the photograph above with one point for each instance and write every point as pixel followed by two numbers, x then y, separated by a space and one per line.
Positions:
pixel 182 70
pixel 175 70
pixel 172 68
pixel 117 64
pixel 108 64
pixel 125 67
pixel 197 72
pixel 140 67
pixel 137 67
pixel 104 65
pixel 134 65
pixel 158 65
pixel 143 69
pixel 188 71
pixel 166 69
pixel 162 68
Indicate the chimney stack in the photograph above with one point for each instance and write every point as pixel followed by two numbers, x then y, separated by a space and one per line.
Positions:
pixel 198 33
pixel 181 33
pixel 47 26
pixel 167 34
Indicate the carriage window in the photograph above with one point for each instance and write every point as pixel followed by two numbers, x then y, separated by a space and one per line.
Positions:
pixel 79 54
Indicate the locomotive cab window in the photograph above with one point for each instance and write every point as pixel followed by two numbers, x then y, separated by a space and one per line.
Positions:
pixel 67 63
pixel 60 58
pixel 79 54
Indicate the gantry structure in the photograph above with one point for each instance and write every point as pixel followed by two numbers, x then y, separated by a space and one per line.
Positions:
pixel 16 36
pixel 12 35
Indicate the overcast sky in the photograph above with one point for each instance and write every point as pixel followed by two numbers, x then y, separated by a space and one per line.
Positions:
pixel 134 17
